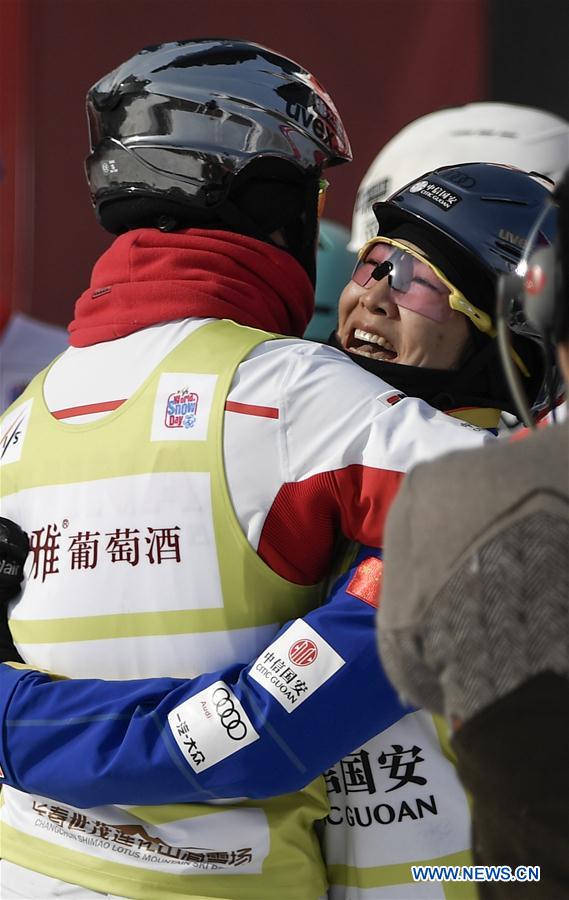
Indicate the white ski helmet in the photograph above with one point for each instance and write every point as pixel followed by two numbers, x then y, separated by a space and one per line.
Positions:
pixel 520 136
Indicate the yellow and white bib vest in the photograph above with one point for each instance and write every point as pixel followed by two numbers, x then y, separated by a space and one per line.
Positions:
pixel 139 568
pixel 397 802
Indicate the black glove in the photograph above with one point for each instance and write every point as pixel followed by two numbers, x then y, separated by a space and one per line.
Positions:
pixel 14 548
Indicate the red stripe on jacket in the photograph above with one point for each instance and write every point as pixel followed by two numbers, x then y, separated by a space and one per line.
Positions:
pixel 305 517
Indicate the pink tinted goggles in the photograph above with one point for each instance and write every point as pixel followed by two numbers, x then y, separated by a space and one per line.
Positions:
pixel 414 283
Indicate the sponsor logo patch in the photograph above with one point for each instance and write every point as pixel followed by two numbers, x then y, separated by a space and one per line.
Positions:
pixel 95 532
pixel 55 549
pixel 435 193
pixel 181 409
pixel 204 846
pixel 109 167
pixel 303 652
pixel 366 581
pixel 182 406
pixel 390 398
pixel 13 433
pixel 211 726
pixel 510 237
pixel 296 665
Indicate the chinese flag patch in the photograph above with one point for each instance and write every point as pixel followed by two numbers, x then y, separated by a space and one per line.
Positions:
pixel 365 583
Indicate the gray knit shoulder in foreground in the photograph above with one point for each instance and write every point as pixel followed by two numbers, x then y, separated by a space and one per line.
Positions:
pixel 476 583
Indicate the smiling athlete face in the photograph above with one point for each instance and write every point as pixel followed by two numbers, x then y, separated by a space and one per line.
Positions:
pixel 372 324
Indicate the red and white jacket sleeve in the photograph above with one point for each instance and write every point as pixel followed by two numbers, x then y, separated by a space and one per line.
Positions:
pixel 330 459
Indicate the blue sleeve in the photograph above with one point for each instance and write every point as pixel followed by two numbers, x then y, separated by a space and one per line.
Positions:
pixel 255 730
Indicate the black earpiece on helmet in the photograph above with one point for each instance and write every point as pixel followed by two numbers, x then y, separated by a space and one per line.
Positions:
pixel 540 287
pixel 545 295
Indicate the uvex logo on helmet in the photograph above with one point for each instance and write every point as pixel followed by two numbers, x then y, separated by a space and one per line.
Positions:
pixel 516 240
pixel 317 123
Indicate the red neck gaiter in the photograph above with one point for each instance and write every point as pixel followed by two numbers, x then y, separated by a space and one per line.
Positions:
pixel 147 277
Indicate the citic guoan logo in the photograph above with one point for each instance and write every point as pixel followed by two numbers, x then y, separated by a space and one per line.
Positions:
pixel 181 409
pixel 303 652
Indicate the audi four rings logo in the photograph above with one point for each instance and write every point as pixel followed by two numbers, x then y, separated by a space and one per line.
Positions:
pixel 228 715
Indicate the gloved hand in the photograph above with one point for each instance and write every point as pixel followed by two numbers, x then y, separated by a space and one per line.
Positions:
pixel 14 548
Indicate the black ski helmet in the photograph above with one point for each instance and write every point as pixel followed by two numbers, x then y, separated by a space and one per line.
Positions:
pixel 474 220
pixel 181 128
